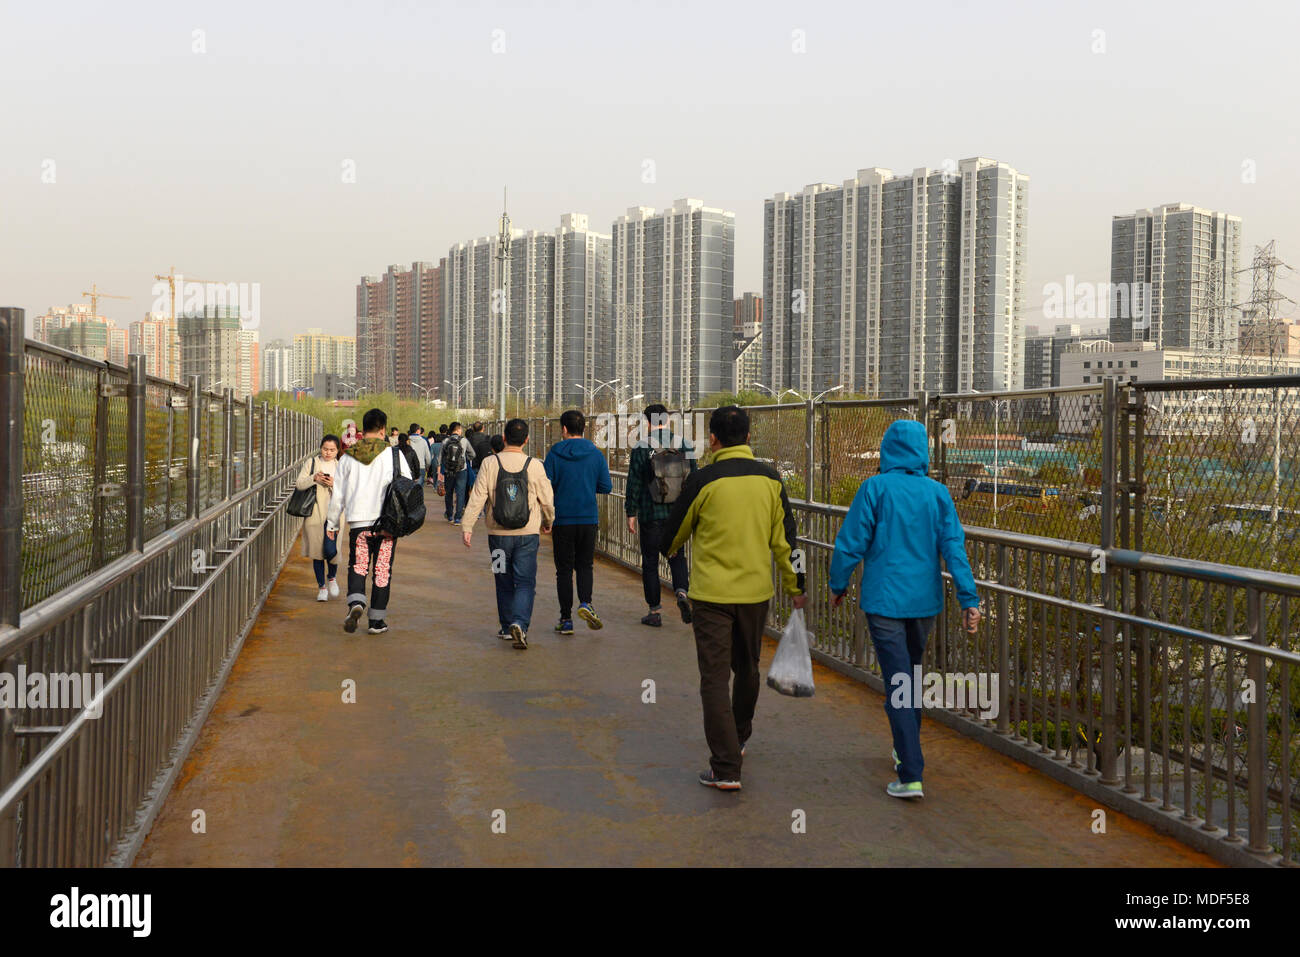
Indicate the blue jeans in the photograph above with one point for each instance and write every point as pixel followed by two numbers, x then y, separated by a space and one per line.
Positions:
pixel 456 494
pixel 318 566
pixel 515 572
pixel 900 644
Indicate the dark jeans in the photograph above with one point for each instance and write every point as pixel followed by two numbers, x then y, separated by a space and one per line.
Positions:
pixel 514 570
pixel 456 494
pixel 318 566
pixel 899 644
pixel 651 538
pixel 370 548
pixel 575 550
pixel 728 639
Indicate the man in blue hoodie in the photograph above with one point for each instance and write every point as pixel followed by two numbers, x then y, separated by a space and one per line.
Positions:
pixel 900 523
pixel 578 472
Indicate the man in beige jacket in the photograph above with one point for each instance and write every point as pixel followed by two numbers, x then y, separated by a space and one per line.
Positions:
pixel 516 496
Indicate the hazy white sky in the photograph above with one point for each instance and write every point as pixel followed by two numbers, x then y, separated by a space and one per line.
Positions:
pixel 227 163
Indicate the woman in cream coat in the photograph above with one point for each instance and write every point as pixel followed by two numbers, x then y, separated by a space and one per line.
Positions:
pixel 322 551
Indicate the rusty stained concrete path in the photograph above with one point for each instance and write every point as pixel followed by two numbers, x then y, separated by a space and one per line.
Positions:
pixel 451 724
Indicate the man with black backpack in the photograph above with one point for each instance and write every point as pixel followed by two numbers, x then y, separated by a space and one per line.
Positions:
pixel 375 486
pixel 656 471
pixel 516 493
pixel 453 471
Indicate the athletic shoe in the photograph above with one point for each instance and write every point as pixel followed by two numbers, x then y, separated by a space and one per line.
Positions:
pixel 378 626
pixel 520 637
pixel 708 779
pixel 456 522
pixel 897 763
pixel 684 606
pixel 354 615
pixel 565 627
pixel 912 789
pixel 323 595
pixel 588 614
pixel 653 620
pixel 334 588
pixel 504 634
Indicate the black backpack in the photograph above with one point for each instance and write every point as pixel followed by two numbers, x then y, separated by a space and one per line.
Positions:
pixel 510 497
pixel 668 470
pixel 403 509
pixel 453 455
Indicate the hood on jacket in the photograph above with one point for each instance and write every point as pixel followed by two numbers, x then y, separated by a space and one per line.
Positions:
pixel 905 448
pixel 367 450
pixel 573 450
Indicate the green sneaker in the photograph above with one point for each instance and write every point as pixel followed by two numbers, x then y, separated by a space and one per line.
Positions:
pixel 897 763
pixel 912 789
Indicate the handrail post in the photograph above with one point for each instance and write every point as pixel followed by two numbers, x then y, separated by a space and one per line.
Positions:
pixel 135 452
pixel 1004 650
pixel 1257 727
pixel 99 468
pixel 12 373
pixel 1109 715
pixel 808 439
pixel 227 446
pixel 195 402
pixel 261 445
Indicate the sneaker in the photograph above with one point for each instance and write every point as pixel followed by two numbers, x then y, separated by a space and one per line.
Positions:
pixel 912 789
pixel 456 522
pixel 378 626
pixel 588 614
pixel 520 636
pixel 323 594
pixel 708 779
pixel 354 615
pixel 334 588
pixel 565 627
pixel 504 634
pixel 653 620
pixel 684 606
pixel 897 763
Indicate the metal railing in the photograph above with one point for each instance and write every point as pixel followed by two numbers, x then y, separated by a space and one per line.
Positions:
pixel 1167 687
pixel 182 492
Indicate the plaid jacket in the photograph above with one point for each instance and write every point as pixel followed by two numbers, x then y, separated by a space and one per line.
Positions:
pixel 637 494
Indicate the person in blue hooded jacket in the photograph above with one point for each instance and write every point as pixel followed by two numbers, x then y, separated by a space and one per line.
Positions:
pixel 899 525
pixel 578 472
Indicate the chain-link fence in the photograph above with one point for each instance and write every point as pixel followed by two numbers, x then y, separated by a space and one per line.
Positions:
pixel 76 441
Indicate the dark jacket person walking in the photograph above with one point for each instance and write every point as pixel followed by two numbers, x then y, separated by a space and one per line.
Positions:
pixel 736 512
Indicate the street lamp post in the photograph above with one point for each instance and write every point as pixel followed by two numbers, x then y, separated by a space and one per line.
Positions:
pixel 461 386
pixel 427 392
pixel 519 398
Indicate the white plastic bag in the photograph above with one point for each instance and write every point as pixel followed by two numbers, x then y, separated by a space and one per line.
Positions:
pixel 791 671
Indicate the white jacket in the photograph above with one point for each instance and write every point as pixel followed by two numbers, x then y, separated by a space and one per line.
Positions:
pixel 359 488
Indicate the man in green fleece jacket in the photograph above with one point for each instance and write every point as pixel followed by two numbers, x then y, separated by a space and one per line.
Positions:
pixel 736 512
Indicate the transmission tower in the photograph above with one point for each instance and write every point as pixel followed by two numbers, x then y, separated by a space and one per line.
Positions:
pixel 503 267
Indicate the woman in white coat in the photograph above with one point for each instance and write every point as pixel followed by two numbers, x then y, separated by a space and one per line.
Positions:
pixel 319 471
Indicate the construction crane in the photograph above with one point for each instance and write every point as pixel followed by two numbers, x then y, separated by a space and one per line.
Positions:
pixel 95 295
pixel 170 277
pixel 173 333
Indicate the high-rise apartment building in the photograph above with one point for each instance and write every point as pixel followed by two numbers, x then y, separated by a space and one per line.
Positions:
pixel 558 309
pixel 583 347
pixel 316 351
pixel 891 284
pixel 277 366
pixel 1173 274
pixel 150 337
pixel 399 329
pixel 216 348
pixel 673 275
pixel 747 313
pixel 78 330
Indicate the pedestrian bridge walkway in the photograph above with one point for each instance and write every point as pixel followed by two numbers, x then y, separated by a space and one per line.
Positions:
pixel 460 750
